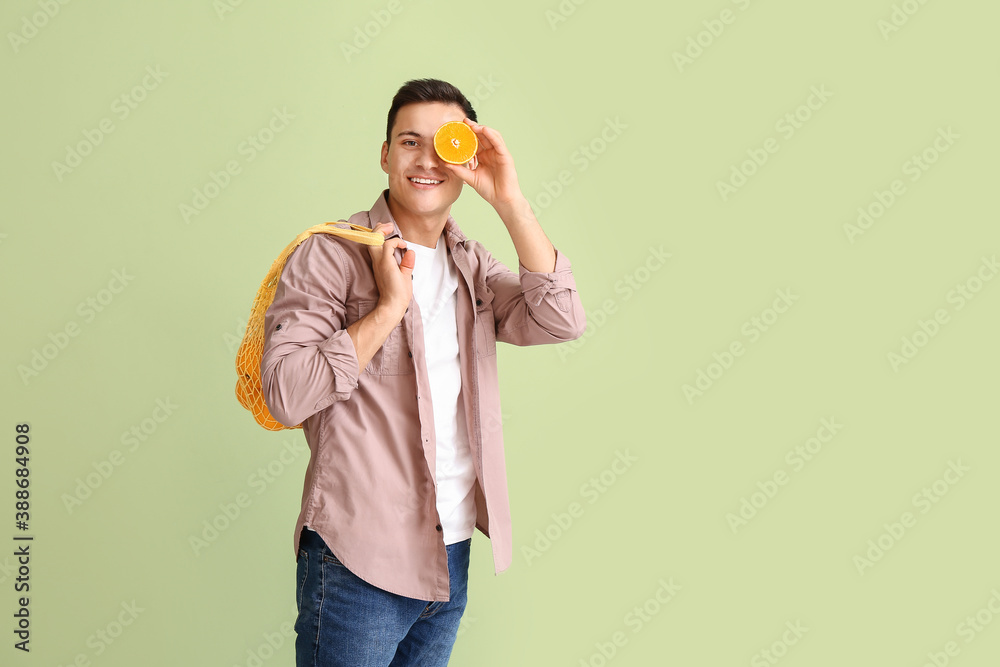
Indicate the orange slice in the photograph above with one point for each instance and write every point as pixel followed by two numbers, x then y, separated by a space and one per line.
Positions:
pixel 455 142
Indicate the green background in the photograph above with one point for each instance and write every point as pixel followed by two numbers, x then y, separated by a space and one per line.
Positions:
pixel 549 78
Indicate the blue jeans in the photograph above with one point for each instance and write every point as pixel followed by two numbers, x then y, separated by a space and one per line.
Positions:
pixel 344 620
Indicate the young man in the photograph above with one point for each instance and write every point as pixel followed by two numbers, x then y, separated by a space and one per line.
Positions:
pixel 387 356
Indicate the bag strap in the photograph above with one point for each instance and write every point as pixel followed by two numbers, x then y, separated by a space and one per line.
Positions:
pixel 357 233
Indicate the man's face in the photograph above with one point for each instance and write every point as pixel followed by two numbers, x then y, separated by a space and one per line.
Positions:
pixel 410 154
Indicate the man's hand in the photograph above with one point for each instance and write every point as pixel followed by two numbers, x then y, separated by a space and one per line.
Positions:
pixel 394 281
pixel 492 174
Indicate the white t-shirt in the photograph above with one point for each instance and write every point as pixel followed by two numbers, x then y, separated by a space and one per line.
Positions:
pixel 435 289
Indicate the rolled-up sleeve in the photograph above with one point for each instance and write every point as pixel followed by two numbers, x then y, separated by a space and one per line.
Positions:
pixel 536 307
pixel 309 360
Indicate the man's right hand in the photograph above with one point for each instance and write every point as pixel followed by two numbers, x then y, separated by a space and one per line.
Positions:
pixel 394 281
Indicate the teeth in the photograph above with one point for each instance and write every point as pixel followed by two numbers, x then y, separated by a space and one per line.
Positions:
pixel 425 181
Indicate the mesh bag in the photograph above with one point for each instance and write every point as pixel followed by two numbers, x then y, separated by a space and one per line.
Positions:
pixel 248 358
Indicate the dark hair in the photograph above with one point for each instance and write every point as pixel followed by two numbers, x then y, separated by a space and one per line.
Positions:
pixel 426 90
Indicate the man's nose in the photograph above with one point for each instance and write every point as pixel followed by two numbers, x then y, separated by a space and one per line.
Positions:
pixel 428 157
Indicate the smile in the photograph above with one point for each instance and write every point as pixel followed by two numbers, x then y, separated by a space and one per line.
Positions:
pixel 423 181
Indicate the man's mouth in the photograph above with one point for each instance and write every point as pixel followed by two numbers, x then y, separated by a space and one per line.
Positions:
pixel 427 182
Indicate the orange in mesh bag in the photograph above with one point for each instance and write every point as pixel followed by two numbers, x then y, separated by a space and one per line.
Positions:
pixel 248 388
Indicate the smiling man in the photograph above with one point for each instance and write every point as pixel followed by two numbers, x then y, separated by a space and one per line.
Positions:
pixel 387 356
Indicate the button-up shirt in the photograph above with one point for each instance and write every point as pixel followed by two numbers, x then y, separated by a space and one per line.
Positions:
pixel 369 486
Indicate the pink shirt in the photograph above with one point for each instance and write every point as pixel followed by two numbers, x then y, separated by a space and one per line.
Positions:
pixel 369 486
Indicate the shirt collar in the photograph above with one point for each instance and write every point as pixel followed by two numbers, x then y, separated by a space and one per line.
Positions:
pixel 379 212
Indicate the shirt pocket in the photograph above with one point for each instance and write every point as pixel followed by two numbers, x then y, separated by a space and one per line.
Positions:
pixel 486 327
pixel 387 359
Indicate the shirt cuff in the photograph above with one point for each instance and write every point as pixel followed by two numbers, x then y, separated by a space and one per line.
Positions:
pixel 536 284
pixel 343 359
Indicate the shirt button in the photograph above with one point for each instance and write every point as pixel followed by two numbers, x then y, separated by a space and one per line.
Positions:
pixel 409 354
pixel 438 528
pixel 479 302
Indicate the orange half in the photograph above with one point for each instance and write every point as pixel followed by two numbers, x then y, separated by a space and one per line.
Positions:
pixel 455 142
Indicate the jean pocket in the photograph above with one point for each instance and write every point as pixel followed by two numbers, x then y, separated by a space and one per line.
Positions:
pixel 331 559
pixel 431 608
pixel 302 572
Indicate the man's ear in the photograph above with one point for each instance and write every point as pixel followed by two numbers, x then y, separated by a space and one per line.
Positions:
pixel 385 156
